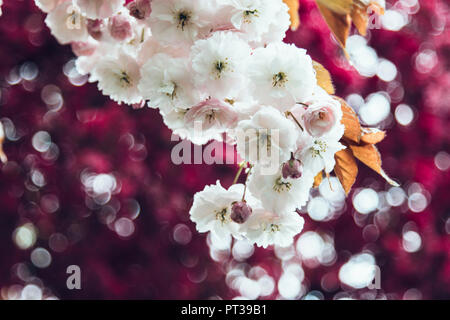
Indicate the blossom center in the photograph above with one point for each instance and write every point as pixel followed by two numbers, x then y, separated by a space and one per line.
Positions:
pixel 169 89
pixel 73 20
pixel 322 115
pixel 281 186
pixel 221 215
pixel 219 67
pixel 274 228
pixel 183 18
pixel 210 116
pixel 319 147
pixel 249 14
pixel 125 80
pixel 279 80
pixel 271 227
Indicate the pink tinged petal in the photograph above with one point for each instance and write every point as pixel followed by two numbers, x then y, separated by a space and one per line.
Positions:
pixel 83 48
pixel 94 28
pixel 212 113
pixel 120 28
pixel 140 9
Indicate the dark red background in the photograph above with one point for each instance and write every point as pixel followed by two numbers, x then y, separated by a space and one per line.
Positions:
pixel 148 265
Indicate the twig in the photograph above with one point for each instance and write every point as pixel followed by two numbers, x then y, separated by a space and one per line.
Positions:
pixel 295 119
pixel 238 174
pixel 245 185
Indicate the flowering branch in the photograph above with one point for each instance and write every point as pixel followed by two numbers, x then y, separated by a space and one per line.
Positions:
pixel 222 68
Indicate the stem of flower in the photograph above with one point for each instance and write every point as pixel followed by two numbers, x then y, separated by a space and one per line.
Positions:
pixel 329 182
pixel 238 174
pixel 288 113
pixel 245 185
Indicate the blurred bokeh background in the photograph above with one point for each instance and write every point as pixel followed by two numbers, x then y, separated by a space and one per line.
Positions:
pixel 91 183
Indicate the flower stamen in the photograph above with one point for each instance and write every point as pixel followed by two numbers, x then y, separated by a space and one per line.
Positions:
pixel 222 215
pixel 125 79
pixel 279 80
pixel 281 186
pixel 249 14
pixel 184 18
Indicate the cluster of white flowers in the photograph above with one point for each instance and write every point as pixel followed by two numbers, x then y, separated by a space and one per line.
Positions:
pixel 219 65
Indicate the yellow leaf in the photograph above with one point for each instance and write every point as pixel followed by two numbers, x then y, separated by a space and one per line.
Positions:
pixel 369 155
pixel 346 169
pixel 338 23
pixel 372 135
pixel 353 130
pixel 360 19
pixel 323 78
pixel 318 179
pixel 339 15
pixel 338 6
pixel 294 6
pixel 360 14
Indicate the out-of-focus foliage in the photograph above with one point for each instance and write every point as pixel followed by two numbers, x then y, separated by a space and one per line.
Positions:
pixel 91 183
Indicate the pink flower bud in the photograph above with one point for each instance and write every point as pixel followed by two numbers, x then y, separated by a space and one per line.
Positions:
pixel 319 119
pixel 120 28
pixel 140 9
pixel 83 48
pixel 240 211
pixel 94 28
pixel 292 169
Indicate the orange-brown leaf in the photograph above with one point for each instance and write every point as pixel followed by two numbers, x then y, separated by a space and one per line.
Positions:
pixel 369 155
pixel 294 6
pixel 372 135
pixel 374 6
pixel 346 169
pixel 353 130
pixel 318 179
pixel 360 19
pixel 360 14
pixel 323 78
pixel 338 6
pixel 339 23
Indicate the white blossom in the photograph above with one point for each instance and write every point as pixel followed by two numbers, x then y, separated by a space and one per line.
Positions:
pixel 317 154
pixel 253 17
pixel 179 22
pixel 278 26
pixel 66 23
pixel 267 228
pixel 167 83
pixel 205 121
pixel 282 75
pixel 118 77
pixel 266 132
pixel 320 115
pixel 219 63
pixel 212 208
pixel 278 194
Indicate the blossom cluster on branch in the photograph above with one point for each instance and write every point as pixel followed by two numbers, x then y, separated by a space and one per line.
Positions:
pixel 220 68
